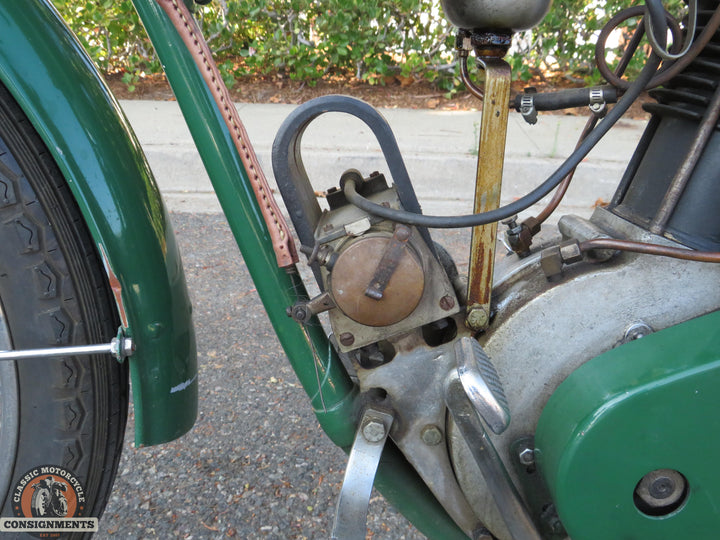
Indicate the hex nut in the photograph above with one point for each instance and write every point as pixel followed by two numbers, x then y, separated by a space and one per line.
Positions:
pixel 477 318
pixel 373 431
pixel 482 534
pixel 431 435
pixel 570 252
pixel 527 456
pixel 299 313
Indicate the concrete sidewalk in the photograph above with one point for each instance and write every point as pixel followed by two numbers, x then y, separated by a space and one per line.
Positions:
pixel 439 149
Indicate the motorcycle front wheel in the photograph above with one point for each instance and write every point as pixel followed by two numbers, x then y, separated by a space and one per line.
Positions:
pixel 65 414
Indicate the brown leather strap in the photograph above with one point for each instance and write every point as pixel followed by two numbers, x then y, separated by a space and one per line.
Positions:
pixel 279 232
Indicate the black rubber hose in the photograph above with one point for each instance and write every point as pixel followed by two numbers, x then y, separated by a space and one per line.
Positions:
pixel 657 12
pixel 474 220
pixel 566 99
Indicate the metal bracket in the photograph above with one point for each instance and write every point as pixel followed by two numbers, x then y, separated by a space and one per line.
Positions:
pixel 302 312
pixel 352 507
pixel 491 155
pixel 120 348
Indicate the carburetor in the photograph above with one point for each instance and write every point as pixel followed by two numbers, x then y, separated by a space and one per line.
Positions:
pixel 379 278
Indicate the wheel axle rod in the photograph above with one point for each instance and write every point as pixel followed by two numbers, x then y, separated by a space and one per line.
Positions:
pixel 119 348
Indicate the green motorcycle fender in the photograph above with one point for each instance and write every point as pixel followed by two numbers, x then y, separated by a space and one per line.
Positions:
pixel 61 92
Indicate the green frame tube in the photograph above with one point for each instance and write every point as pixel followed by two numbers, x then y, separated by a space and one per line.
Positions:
pixel 322 375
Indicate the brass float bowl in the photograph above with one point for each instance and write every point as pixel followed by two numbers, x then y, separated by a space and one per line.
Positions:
pixel 353 271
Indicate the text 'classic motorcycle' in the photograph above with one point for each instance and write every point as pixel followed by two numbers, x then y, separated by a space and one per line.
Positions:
pixel 570 392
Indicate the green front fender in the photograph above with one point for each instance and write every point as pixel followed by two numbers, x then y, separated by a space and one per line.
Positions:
pixel 58 87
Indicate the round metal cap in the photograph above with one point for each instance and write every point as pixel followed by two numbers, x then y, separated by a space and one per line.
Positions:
pixel 495 14
pixel 354 270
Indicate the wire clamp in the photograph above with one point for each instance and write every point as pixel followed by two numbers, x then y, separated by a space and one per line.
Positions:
pixel 597 102
pixel 527 108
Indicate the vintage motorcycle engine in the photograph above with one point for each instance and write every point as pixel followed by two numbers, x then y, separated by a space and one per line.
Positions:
pixel 382 278
pixel 546 330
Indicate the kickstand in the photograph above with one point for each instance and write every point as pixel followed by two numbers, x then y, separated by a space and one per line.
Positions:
pixel 352 507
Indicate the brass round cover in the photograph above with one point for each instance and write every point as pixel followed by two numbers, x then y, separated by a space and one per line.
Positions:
pixel 353 272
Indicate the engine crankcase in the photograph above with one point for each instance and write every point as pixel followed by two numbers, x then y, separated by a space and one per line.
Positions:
pixel 543 331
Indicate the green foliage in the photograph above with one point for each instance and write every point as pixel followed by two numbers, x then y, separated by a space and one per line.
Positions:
pixel 565 40
pixel 109 30
pixel 370 40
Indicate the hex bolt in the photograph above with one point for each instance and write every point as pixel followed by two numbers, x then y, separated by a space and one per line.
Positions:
pixel 550 518
pixel 527 456
pixel 373 431
pixel 447 302
pixel 431 435
pixel 477 318
pixel 557 526
pixel 346 338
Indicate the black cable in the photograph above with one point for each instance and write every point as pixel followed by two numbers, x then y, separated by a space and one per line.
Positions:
pixel 473 220
pixel 656 11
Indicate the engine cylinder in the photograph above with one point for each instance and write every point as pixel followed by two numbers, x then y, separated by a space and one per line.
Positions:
pixel 677 114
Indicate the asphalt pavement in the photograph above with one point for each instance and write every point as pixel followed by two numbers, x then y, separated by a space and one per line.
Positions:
pixel 257 465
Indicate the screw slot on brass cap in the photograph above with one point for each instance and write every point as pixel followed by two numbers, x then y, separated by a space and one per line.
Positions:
pixel 346 338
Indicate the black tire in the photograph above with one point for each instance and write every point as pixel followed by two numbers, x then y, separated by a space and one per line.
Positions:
pixel 68 412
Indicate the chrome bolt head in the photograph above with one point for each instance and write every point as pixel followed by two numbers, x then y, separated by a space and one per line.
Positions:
pixel 527 456
pixel 637 330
